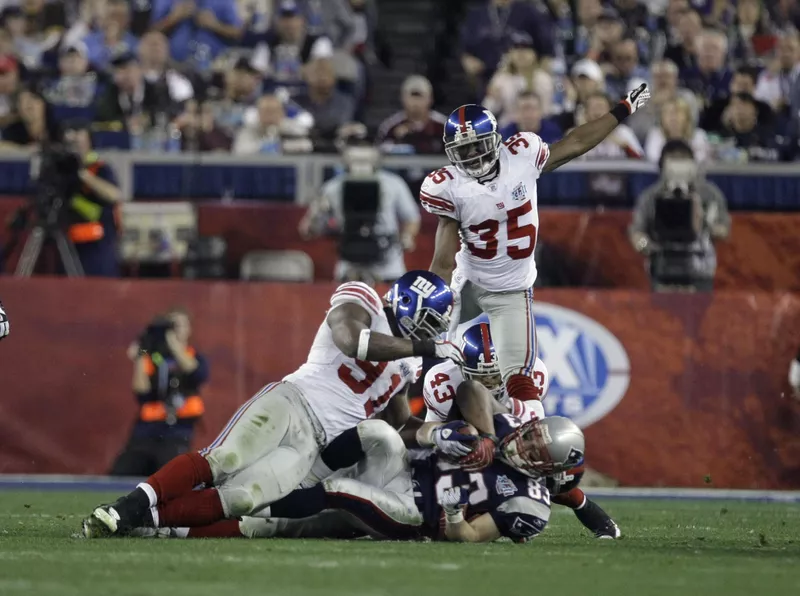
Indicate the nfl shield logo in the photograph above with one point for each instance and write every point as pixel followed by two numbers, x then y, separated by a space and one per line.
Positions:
pixel 520 193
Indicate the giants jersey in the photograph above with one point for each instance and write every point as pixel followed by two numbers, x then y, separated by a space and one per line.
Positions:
pixel 442 382
pixel 343 391
pixel 498 220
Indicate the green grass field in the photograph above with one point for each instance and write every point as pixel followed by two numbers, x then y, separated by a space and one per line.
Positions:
pixel 669 547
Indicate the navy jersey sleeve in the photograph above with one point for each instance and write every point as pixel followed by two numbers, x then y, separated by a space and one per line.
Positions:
pixel 521 518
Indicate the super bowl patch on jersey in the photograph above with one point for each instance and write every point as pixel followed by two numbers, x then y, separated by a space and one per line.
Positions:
pixel 589 367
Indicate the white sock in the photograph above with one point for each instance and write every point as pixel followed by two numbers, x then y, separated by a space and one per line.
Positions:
pixel 154 513
pixel 150 492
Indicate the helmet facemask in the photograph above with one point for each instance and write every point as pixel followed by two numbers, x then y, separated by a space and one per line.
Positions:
pixel 487 375
pixel 474 156
pixel 426 324
pixel 526 449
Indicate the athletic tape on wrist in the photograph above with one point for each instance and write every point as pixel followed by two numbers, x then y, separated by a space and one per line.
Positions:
pixel 363 344
pixel 454 518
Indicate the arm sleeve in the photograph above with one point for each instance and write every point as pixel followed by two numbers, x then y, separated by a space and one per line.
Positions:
pixel 434 196
pixel 200 374
pixel 521 518
pixel 229 14
pixel 359 293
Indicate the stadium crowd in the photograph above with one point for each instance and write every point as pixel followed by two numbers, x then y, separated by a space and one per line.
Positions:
pixel 280 76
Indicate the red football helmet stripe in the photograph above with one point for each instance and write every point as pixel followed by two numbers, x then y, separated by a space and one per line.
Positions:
pixel 487 347
pixel 462 118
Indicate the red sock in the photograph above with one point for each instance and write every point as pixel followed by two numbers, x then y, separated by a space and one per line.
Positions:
pixel 180 475
pixel 523 388
pixel 228 528
pixel 573 498
pixel 196 508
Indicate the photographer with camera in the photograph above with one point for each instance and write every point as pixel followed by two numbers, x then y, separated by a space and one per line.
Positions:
pixel 167 375
pixel 370 209
pixel 91 202
pixel 677 220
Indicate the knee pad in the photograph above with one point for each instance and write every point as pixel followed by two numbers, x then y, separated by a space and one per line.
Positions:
pixel 223 463
pixel 377 437
pixel 523 388
pixel 238 501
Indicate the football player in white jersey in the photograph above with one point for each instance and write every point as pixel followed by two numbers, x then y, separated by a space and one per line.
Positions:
pixel 365 353
pixel 488 223
pixel 470 385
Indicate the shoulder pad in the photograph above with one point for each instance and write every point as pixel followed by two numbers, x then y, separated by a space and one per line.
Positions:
pixel 359 293
pixel 435 193
pixel 530 146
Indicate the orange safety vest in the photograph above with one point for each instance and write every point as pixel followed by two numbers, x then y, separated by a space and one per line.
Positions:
pixel 91 231
pixel 156 411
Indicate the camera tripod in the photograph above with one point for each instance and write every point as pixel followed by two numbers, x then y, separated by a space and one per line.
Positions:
pixel 48 228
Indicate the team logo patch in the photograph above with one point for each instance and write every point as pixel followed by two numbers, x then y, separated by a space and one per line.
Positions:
pixel 520 193
pixel 526 529
pixel 500 206
pixel 589 368
pixel 423 287
pixel 504 486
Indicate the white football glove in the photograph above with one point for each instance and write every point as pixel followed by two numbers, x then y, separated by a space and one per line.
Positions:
pixel 637 98
pixel 453 499
pixel 446 349
pixel 450 441
pixel 5 326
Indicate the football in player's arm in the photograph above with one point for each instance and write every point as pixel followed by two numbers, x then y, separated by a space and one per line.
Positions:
pixel 580 140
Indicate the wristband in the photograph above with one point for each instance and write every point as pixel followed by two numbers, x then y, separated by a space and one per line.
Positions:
pixel 454 518
pixel 424 435
pixel 423 347
pixel 620 111
pixel 363 344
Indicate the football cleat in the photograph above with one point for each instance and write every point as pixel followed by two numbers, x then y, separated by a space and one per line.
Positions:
pixel 118 518
pixel 597 521
pixel 102 523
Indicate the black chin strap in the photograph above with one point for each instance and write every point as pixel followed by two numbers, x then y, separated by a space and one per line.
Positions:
pixel 493 173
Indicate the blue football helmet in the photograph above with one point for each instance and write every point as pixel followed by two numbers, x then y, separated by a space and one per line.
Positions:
pixel 471 140
pixel 480 359
pixel 422 304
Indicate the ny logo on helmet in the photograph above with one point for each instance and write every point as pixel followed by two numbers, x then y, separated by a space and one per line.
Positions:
pixel 423 287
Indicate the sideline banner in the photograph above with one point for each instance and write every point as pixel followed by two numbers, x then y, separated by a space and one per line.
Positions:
pixel 672 390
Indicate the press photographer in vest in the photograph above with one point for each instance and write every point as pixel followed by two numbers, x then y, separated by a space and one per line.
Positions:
pixel 167 375
pixel 91 213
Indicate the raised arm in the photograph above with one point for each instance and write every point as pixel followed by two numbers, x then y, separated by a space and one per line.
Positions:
pixel 447 244
pixel 587 136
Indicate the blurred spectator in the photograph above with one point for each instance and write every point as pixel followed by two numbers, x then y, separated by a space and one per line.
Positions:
pixel 114 37
pixel 198 31
pixel 667 31
pixel 330 107
pixel 31 125
pixel 747 141
pixel 141 16
pixel 639 24
pixel 136 102
pixel 715 118
pixel 607 31
pixel 683 51
pixel 241 89
pixel 752 35
pixel 371 210
pixel 288 47
pixel 270 131
pixel 92 222
pixel 351 25
pixel 680 251
pixel 677 124
pixel 627 73
pixel 518 72
pixel 528 117
pixel 34 27
pixel 785 13
pixel 417 126
pixel 775 82
pixel 710 80
pixel 154 59
pixel 621 143
pixel 588 12
pixel 487 29
pixel 168 373
pixel 9 86
pixel 73 93
pixel 199 131
pixel 664 88
pixel 587 80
